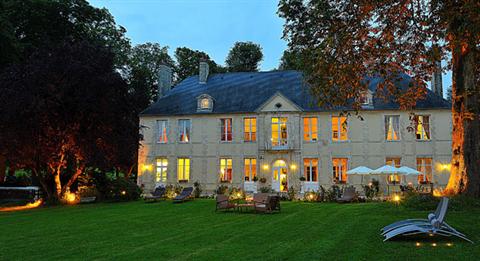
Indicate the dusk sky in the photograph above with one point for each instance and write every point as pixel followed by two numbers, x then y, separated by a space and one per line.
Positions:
pixel 212 26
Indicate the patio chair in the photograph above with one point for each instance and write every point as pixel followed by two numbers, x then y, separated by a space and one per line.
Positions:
pixel 432 226
pixel 158 194
pixel 348 195
pixel 442 205
pixel 185 195
pixel 223 203
pixel 266 203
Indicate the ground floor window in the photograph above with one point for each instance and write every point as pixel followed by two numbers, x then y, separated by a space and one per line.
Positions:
pixel 424 165
pixel 339 170
pixel 310 170
pixel 394 162
pixel 183 169
pixel 225 169
pixel 250 168
pixel 161 167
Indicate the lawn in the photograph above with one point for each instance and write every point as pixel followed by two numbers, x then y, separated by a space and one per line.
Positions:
pixel 302 231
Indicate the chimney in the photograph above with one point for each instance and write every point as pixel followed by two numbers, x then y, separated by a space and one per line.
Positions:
pixel 203 72
pixel 164 80
pixel 437 86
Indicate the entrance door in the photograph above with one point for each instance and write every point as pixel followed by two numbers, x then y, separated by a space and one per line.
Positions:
pixel 279 176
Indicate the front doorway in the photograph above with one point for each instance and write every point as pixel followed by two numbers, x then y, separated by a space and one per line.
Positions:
pixel 279 177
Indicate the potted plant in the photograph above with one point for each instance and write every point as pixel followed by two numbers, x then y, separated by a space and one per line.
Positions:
pixel 263 180
pixel 302 187
pixel 255 179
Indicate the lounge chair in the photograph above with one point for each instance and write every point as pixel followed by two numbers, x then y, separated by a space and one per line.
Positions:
pixel 158 194
pixel 432 226
pixel 223 203
pixel 348 195
pixel 185 195
pixel 266 203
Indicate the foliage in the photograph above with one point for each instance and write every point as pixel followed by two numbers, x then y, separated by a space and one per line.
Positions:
pixel 332 193
pixel 290 60
pixel 372 190
pixel 266 189
pixel 188 62
pixel 121 189
pixel 311 196
pixel 255 179
pixel 347 45
pixel 172 190
pixel 428 202
pixel 60 122
pixel 291 193
pixel 244 57
pixel 236 193
pixel 197 192
pixel 263 180
pixel 302 178
pixel 222 189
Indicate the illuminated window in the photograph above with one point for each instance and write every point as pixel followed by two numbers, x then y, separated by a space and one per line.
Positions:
pixel 161 167
pixel 422 130
pixel 395 162
pixel 184 130
pixel 392 127
pixel 205 103
pixel 250 168
pixel 340 170
pixel 225 169
pixel 250 129
pixel 226 129
pixel 310 170
pixel 339 128
pixel 424 165
pixel 162 127
pixel 310 129
pixel 279 132
pixel 183 169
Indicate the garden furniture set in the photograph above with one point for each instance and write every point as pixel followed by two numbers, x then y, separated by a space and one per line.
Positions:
pixel 261 203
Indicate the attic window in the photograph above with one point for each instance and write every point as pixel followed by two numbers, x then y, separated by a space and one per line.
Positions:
pixel 366 99
pixel 278 105
pixel 204 103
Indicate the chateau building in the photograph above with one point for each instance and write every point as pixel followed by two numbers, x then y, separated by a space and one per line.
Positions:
pixel 237 128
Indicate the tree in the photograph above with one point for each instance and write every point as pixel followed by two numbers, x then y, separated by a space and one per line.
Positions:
pixel 449 94
pixel 244 57
pixel 64 111
pixel 142 72
pixel 346 42
pixel 290 60
pixel 188 61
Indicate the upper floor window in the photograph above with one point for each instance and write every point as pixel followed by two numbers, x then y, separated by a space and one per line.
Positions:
pixel 424 165
pixel 161 170
pixel 184 130
pixel 339 128
pixel 394 162
pixel 366 99
pixel 250 129
pixel 183 169
pixel 250 168
pixel 310 129
pixel 392 127
pixel 422 128
pixel 339 170
pixel 310 170
pixel 279 132
pixel 204 103
pixel 162 127
pixel 225 169
pixel 226 129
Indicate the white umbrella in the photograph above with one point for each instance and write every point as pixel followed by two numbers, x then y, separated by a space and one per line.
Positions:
pixel 409 171
pixel 387 169
pixel 359 171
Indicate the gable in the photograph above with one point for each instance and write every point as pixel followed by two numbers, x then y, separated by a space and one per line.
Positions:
pixel 277 103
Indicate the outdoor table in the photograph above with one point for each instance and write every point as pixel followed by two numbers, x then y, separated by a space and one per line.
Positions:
pixel 244 205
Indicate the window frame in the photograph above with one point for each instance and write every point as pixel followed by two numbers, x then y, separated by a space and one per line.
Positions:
pixel 250 133
pixel 309 176
pixel 398 164
pixel 427 178
pixel 310 131
pixel 184 128
pixel 248 177
pixel 163 141
pixel 386 129
pixel 184 168
pixel 425 131
pixel 161 167
pixel 225 168
pixel 340 179
pixel 339 126
pixel 279 132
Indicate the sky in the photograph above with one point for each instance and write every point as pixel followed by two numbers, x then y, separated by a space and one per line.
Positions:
pixel 212 26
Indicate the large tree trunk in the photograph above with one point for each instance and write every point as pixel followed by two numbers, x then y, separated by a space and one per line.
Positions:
pixel 3 168
pixel 465 171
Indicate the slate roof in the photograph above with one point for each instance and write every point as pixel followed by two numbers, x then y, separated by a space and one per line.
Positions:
pixel 245 92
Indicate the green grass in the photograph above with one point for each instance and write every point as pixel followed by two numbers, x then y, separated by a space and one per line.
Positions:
pixel 302 231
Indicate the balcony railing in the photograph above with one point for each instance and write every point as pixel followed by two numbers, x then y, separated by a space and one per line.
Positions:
pixel 284 145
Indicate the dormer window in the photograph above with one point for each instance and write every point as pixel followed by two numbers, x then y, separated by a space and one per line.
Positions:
pixel 204 103
pixel 366 99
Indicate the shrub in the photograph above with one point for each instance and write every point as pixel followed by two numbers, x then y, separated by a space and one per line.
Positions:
pixel 429 202
pixel 310 196
pixel 222 189
pixel 171 191
pixel 121 189
pixel 332 193
pixel 302 178
pixel 255 179
pixel 266 190
pixel 291 193
pixel 197 189
pixel 263 180
pixel 236 193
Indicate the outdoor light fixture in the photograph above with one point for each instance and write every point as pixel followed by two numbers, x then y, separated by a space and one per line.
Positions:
pixel 293 167
pixel 124 192
pixel 70 197
pixel 449 244
pixel 396 198
pixel 265 166
pixel 147 167
pixel 418 244
pixel 434 244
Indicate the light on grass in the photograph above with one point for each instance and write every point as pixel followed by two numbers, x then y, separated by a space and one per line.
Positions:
pixel 70 197
pixel 418 244
pixel 124 192
pixel 17 208
pixel 434 244
pixel 449 244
